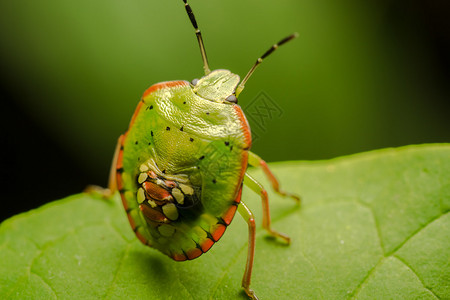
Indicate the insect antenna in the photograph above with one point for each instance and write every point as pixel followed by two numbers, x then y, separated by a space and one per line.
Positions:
pixel 260 59
pixel 199 37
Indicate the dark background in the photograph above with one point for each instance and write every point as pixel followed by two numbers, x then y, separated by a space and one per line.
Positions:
pixel 362 75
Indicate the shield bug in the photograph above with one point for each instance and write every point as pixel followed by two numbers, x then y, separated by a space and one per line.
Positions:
pixel 182 163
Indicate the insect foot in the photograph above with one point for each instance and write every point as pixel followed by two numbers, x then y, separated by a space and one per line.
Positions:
pixel 251 294
pixel 96 190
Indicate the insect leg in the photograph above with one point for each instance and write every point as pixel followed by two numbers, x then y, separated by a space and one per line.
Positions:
pixel 256 161
pixel 246 213
pixel 112 183
pixel 258 188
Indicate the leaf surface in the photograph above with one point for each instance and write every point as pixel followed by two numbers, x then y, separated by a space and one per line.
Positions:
pixel 371 226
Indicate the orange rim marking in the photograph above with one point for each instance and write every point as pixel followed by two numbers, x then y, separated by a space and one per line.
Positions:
pixel 130 219
pixel 124 201
pixel 194 253
pixel 179 257
pixel 244 126
pixel 228 216
pixel 119 163
pixel 119 181
pixel 141 238
pixel 238 198
pixel 163 85
pixel 207 244
pixel 136 112
pixel 218 232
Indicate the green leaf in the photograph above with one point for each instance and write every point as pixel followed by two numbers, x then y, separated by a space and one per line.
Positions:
pixel 372 225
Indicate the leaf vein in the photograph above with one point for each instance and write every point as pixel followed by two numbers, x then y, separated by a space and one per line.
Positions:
pixel 417 275
pixel 119 233
pixel 122 259
pixel 356 291
pixel 375 221
pixel 45 283
pixel 227 268
pixel 413 234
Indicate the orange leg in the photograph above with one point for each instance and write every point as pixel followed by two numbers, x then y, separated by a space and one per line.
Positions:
pixel 256 161
pixel 250 219
pixel 259 189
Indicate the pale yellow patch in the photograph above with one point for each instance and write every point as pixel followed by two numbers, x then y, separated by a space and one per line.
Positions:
pixel 152 203
pixel 142 177
pixel 187 189
pixel 170 210
pixel 140 195
pixel 178 195
pixel 143 168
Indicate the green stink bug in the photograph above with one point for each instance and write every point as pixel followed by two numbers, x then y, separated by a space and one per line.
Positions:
pixel 182 163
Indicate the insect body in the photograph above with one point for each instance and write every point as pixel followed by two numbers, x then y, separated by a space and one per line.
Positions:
pixel 178 204
pixel 182 163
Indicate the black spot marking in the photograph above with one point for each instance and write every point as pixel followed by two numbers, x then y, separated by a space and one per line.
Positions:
pixel 231 148
pixel 151 106
pixel 208 235
pixel 167 128
pixel 139 158
pixel 198 246
pixel 221 221
pixel 137 142
pixel 207 113
pixel 191 139
pixel 214 181
pixel 182 128
pixel 164 171
pixel 151 132
pixel 202 157
pixel 119 170
pixel 149 143
pixel 227 143
pixel 246 148
pixel 184 102
pixel 121 147
pixel 185 254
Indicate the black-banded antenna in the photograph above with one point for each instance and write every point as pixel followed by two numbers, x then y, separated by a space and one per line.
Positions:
pixel 199 37
pixel 260 59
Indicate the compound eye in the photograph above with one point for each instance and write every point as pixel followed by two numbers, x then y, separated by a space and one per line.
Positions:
pixel 232 98
pixel 194 82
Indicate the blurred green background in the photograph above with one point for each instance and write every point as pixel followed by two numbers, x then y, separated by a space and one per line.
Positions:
pixel 362 75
